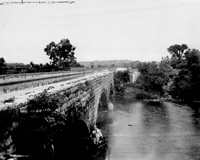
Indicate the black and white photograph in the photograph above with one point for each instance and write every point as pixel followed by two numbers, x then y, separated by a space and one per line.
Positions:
pixel 99 80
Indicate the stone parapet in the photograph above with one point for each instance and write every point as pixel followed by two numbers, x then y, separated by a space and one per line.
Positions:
pixel 82 94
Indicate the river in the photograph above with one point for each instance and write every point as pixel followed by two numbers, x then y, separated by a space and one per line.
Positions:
pixel 137 130
pixel 149 131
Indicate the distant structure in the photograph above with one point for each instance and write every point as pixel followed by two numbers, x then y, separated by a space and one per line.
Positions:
pixel 134 73
pixel 121 69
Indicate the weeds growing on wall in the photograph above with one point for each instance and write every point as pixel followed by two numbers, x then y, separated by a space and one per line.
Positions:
pixel 120 79
pixel 7 117
pixel 38 125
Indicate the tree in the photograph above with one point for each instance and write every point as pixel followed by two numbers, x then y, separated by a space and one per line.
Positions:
pixel 2 65
pixel 186 85
pixel 2 62
pixel 120 79
pixel 165 65
pixel 181 86
pixel 153 77
pixel 178 53
pixel 61 54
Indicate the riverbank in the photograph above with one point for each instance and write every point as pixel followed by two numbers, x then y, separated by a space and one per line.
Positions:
pixel 131 94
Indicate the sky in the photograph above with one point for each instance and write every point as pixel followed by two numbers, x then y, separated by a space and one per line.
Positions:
pixel 99 29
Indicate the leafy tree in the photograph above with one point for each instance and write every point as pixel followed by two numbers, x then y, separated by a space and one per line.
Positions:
pixel 48 67
pixel 165 65
pixel 32 64
pixel 186 85
pixel 120 79
pixel 153 77
pixel 2 62
pixel 178 53
pixel 61 54
pixel 180 88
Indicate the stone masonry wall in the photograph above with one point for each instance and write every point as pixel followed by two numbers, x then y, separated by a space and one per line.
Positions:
pixel 84 97
pixel 80 96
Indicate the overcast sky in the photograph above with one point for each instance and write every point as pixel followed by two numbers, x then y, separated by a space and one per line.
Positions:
pixel 100 29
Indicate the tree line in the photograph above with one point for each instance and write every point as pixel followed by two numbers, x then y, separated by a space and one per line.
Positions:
pixel 61 55
pixel 175 77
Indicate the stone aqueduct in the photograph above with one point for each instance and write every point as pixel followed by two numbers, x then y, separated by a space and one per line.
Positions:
pixel 87 95
pixel 84 95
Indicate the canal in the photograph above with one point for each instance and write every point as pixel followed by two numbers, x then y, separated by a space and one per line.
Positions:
pixel 149 131
pixel 8 88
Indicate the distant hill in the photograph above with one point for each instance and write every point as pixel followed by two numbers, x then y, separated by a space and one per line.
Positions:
pixel 117 63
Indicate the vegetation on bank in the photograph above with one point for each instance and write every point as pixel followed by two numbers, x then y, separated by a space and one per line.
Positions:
pixel 176 77
pixel 186 84
pixel 35 129
pixel 153 80
pixel 120 81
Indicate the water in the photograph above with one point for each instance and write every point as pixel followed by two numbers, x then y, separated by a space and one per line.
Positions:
pixel 4 89
pixel 150 131
pixel 137 130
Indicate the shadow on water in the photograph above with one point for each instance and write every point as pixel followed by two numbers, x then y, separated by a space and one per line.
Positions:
pixel 75 142
pixel 104 120
pixel 195 107
pixel 155 114
pixel 158 131
pixel 156 126
pixel 71 143
pixel 194 148
pixel 123 104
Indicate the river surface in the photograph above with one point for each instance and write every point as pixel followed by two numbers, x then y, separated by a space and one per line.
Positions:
pixel 149 131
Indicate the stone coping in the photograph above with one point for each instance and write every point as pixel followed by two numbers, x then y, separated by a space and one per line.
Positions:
pixel 17 97
pixel 19 78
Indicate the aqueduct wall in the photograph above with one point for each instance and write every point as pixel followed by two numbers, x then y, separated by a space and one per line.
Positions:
pixel 82 95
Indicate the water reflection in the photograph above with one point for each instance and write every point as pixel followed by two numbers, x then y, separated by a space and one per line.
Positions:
pixel 194 149
pixel 104 122
pixel 151 131
pixel 195 110
pixel 139 131
pixel 156 129
pixel 155 116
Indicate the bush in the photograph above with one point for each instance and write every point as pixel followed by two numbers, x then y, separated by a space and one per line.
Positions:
pixel 39 125
pixel 145 95
pixel 120 79
pixel 7 119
